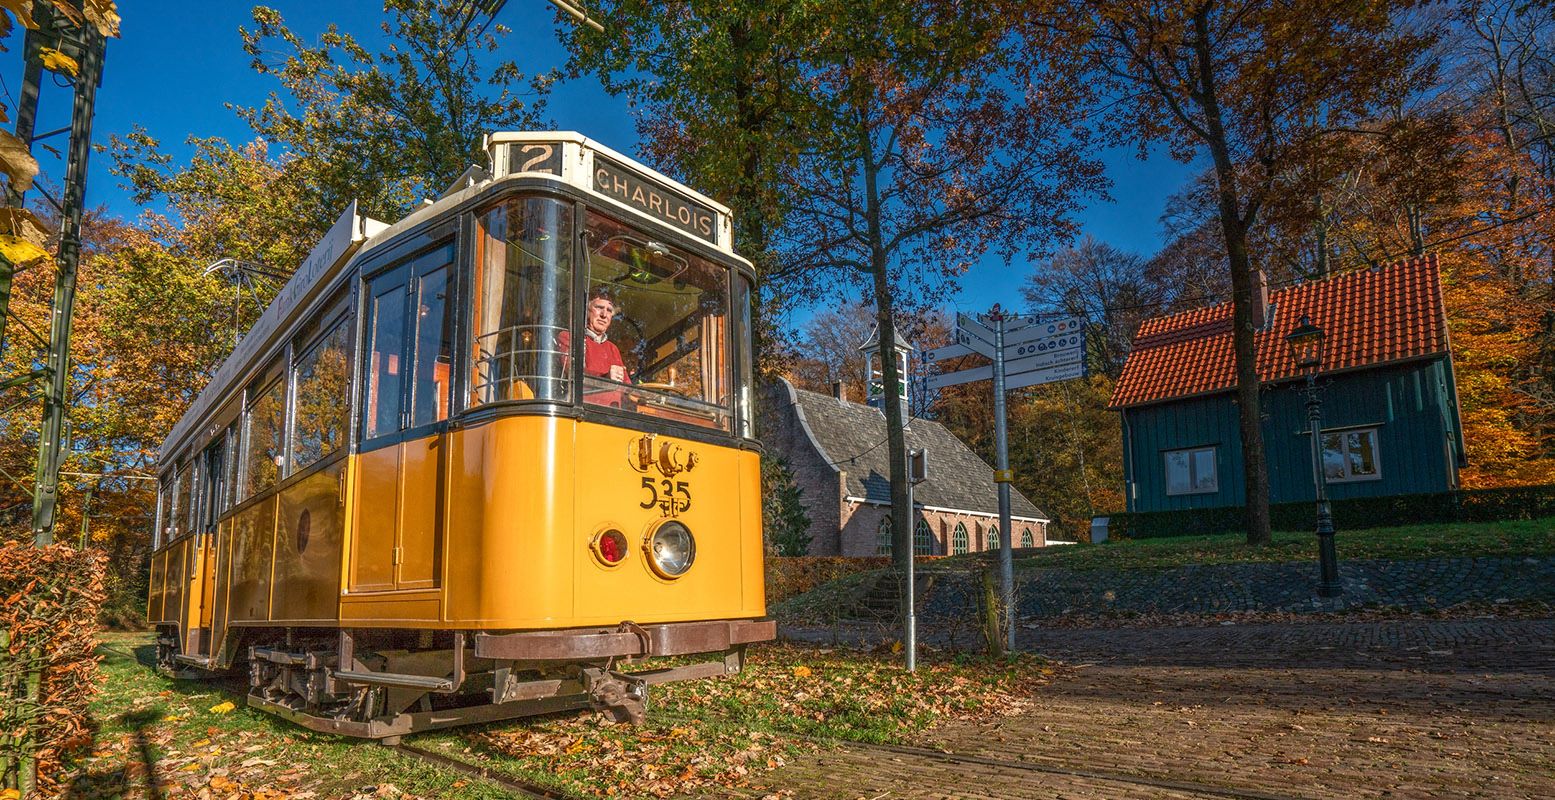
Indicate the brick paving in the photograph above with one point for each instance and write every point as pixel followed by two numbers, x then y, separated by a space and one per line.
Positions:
pixel 1398 709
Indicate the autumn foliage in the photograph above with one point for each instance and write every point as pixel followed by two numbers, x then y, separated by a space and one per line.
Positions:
pixel 48 670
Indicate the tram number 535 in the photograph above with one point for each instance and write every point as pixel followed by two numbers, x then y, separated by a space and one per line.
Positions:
pixel 672 497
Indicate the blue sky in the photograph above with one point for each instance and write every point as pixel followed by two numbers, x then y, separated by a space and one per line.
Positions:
pixel 179 64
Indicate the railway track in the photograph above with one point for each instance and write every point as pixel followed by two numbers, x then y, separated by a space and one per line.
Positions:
pixel 531 790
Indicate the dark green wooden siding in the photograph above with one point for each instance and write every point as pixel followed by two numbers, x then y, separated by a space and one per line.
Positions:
pixel 1411 405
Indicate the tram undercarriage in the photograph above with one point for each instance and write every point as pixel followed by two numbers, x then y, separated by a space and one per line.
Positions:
pixel 383 684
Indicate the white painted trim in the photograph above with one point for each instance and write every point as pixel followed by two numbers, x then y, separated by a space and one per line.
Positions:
pixel 865 501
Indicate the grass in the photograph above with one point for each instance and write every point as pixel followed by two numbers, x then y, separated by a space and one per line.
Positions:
pixel 184 738
pixel 180 737
pixel 1509 538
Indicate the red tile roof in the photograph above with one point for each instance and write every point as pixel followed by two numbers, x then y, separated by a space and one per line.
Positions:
pixel 1371 317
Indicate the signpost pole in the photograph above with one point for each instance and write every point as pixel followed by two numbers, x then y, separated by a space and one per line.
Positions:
pixel 1003 477
pixel 909 602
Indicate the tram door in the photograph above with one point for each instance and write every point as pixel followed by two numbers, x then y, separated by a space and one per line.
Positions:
pixel 402 468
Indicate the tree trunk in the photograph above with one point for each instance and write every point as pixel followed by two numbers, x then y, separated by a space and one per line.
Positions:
pixel 1247 313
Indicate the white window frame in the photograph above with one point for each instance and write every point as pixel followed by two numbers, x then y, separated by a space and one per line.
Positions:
pixel 1166 465
pixel 1376 455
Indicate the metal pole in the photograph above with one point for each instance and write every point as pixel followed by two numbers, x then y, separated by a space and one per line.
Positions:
pixel 1328 559
pixel 56 395
pixel 26 119
pixel 909 601
pixel 1003 477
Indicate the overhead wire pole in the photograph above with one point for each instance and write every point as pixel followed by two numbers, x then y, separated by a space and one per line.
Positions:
pixel 56 398
pixel 26 121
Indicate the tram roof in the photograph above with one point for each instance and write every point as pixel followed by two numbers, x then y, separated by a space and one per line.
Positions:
pixel 563 156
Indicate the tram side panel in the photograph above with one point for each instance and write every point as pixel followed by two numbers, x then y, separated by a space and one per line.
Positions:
pixel 309 540
pixel 156 589
pixel 752 543
pixel 253 547
pixel 509 550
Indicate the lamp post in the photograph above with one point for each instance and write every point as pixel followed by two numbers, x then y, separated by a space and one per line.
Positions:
pixel 1306 349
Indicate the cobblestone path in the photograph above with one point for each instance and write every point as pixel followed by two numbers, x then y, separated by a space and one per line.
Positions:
pixel 1405 709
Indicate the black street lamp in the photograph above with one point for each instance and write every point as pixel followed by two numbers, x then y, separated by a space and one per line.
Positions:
pixel 1306 349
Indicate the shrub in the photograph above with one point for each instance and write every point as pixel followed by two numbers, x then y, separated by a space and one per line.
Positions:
pixel 48 672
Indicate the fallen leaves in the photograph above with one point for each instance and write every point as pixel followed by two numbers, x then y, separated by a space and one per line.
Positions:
pixel 223 708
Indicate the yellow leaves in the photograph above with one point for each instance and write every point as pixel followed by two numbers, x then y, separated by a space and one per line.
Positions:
pixel 802 671
pixel 221 783
pixel 223 708
pixel 22 10
pixel 16 161
pixel 172 718
pixel 10 794
pixel 56 61
pixel 103 15
pixel 20 251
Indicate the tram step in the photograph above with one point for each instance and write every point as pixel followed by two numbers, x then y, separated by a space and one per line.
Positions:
pixel 395 679
pixel 198 661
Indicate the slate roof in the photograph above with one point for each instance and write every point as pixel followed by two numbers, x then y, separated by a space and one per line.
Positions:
pixel 852 437
pixel 1371 317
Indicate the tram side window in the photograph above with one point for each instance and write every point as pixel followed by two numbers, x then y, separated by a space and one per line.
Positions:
pixel 743 334
pixel 212 491
pixel 263 447
pixel 434 348
pixel 164 531
pixel 323 380
pixel 522 302
pixel 230 468
pixel 183 509
pixel 383 411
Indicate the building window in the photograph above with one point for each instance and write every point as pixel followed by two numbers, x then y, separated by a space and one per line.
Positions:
pixel 883 536
pixel 922 539
pixel 1026 539
pixel 1350 456
pixel 1191 471
pixel 993 537
pixel 959 542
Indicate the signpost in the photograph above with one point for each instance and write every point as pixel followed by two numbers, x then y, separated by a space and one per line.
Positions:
pixel 1024 352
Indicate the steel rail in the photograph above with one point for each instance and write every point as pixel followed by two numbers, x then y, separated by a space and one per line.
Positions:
pixel 520 788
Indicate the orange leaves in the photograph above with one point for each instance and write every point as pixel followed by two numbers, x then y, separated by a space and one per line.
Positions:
pixel 48 630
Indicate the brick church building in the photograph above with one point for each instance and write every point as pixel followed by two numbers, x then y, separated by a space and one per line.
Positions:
pixel 836 450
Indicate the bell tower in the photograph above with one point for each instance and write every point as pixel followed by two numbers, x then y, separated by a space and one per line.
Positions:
pixel 873 369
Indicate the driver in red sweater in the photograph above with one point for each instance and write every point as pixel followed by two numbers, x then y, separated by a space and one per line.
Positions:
pixel 601 358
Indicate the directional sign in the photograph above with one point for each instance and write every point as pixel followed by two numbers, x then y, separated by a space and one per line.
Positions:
pixel 1041 376
pixel 1067 341
pixel 1013 369
pixel 972 334
pixel 947 352
pixel 1042 330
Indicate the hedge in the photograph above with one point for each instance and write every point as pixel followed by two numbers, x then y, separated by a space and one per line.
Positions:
pixel 49 598
pixel 1464 505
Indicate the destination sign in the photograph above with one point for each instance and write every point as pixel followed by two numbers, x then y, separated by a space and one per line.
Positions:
pixel 622 183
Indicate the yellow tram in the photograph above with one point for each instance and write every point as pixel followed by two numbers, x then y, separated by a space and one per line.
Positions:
pixel 470 465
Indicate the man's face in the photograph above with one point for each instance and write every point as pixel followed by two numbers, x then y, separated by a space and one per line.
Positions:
pixel 601 311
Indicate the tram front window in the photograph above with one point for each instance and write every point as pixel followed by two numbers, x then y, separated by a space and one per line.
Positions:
pixel 522 302
pixel 657 325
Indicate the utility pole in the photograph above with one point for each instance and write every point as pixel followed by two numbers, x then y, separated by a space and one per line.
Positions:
pixel 80 40
pixel 1003 475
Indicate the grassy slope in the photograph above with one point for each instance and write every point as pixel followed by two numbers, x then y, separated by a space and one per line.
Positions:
pixel 1457 540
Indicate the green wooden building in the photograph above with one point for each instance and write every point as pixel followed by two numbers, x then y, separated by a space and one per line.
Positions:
pixel 1390 410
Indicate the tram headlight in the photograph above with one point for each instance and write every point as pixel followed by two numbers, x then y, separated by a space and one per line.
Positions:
pixel 671 549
